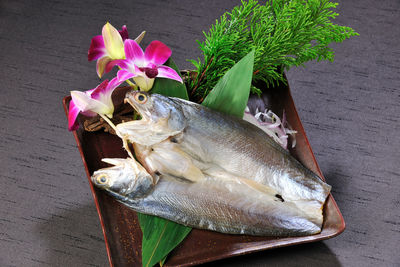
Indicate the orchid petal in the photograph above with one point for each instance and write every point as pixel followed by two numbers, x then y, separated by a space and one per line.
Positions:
pixel 133 52
pixel 89 113
pixel 157 53
pixel 89 92
pixel 97 48
pixel 119 62
pixel 90 106
pixel 167 72
pixel 101 89
pixel 73 112
pixel 102 95
pixel 113 42
pixel 82 100
pixel 114 83
pixel 101 65
pixel 124 33
pixel 103 106
pixel 144 83
pixel 104 90
pixel 124 75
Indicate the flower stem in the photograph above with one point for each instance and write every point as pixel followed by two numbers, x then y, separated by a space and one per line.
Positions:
pixel 134 86
pixel 124 140
pixel 104 117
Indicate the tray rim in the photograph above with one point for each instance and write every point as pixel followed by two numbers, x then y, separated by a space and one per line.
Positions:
pixel 284 243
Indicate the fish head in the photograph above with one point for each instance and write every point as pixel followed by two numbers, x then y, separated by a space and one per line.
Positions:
pixel 126 178
pixel 142 102
pixel 162 117
pixel 154 107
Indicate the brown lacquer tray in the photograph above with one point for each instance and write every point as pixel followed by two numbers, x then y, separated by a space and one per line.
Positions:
pixel 120 226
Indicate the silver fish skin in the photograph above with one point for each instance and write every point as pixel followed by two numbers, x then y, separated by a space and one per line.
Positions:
pixel 220 205
pixel 235 145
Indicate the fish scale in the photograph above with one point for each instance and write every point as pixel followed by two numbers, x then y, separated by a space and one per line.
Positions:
pixel 230 210
pixel 252 153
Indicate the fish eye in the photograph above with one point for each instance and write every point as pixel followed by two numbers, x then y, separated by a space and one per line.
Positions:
pixel 102 179
pixel 141 98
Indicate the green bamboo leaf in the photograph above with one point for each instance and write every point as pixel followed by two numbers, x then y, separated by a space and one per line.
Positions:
pixel 231 93
pixel 168 87
pixel 160 236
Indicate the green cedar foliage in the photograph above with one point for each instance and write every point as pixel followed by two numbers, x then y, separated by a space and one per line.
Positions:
pixel 283 33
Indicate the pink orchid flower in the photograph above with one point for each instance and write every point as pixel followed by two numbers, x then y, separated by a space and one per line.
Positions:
pixel 144 67
pixel 92 102
pixel 107 47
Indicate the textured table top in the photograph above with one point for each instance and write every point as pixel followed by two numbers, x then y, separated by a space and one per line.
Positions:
pixel 349 108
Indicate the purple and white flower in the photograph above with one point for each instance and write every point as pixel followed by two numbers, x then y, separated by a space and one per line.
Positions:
pixel 92 102
pixel 145 66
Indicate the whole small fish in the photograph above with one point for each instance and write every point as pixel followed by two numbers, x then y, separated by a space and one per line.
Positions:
pixel 184 139
pixel 212 203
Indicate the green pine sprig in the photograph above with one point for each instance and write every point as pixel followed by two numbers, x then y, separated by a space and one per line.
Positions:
pixel 283 33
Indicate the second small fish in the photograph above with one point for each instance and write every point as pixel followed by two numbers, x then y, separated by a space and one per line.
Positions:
pixel 212 203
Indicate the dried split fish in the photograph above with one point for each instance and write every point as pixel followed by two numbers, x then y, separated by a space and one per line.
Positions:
pixel 217 172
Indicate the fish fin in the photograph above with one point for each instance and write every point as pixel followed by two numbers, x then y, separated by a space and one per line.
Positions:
pixel 168 158
pixel 312 208
pixel 145 133
pixel 175 164
pixel 224 175
pixel 193 174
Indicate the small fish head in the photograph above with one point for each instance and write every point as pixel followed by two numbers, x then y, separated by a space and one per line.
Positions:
pixel 156 108
pixel 126 178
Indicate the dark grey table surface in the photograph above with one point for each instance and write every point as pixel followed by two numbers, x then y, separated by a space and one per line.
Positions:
pixel 349 108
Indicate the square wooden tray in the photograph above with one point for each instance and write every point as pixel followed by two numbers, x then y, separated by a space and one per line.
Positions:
pixel 121 230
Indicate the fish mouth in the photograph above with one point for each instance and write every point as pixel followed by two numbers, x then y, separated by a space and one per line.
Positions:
pixel 120 197
pixel 127 100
